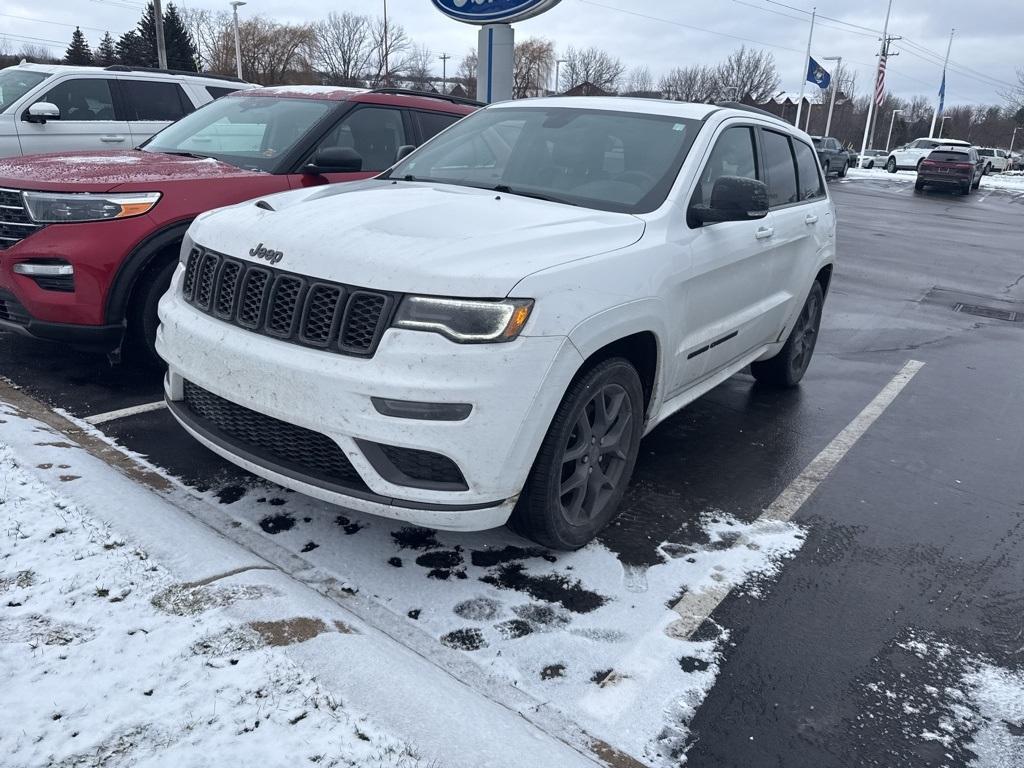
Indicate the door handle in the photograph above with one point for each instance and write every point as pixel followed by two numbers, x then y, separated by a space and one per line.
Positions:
pixel 810 219
pixel 112 139
pixel 764 233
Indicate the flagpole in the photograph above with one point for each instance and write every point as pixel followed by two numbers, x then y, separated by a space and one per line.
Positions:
pixel 942 95
pixel 874 96
pixel 807 64
pixel 835 87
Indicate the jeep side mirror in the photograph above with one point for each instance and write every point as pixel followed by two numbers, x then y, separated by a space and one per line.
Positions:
pixel 42 111
pixel 335 160
pixel 733 198
pixel 404 151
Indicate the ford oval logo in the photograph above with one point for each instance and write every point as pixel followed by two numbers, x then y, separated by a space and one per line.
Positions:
pixel 493 11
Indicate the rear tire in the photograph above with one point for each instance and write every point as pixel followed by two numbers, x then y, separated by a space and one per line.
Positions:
pixel 586 460
pixel 142 314
pixel 919 186
pixel 966 189
pixel 788 367
pixel 977 184
pixel 890 165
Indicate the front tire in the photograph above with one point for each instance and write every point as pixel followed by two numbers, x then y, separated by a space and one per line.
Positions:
pixel 142 314
pixel 586 459
pixel 890 165
pixel 787 368
pixel 842 171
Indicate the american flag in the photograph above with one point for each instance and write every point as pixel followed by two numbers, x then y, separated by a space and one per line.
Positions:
pixel 880 84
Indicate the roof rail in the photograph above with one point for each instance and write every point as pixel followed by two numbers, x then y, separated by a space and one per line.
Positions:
pixel 430 95
pixel 746 108
pixel 208 75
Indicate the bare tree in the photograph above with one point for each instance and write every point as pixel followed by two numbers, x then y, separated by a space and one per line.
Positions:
pixel 591 65
pixel 343 47
pixel 639 80
pixel 272 53
pixel 748 74
pixel 420 68
pixel 207 29
pixel 534 62
pixel 466 72
pixel 392 53
pixel 698 83
pixel 1015 96
pixel 37 54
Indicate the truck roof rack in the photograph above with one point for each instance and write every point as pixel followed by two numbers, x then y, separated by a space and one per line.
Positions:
pixel 208 75
pixel 746 108
pixel 430 95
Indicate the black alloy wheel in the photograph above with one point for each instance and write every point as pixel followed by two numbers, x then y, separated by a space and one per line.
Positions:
pixel 586 460
pixel 788 367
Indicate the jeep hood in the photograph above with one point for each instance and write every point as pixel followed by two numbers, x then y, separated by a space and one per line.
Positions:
pixel 414 237
pixel 107 171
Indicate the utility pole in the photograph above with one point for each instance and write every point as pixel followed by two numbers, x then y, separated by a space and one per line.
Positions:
pixel 385 49
pixel 835 87
pixel 238 43
pixel 161 46
pixel 807 64
pixel 942 95
pixel 444 72
pixel 888 55
pixel 874 96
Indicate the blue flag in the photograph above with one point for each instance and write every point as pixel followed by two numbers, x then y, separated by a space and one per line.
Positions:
pixel 942 94
pixel 816 74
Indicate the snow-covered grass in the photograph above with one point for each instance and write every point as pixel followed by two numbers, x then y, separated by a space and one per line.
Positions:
pixel 1013 181
pixel 107 661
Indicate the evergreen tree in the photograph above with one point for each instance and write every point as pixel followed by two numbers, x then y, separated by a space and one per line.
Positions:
pixel 132 51
pixel 181 51
pixel 106 53
pixel 146 32
pixel 78 52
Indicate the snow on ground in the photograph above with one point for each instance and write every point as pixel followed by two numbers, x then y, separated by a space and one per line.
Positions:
pixel 1013 181
pixel 933 698
pixel 108 662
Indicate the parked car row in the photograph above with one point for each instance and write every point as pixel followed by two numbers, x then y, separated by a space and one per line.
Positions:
pixel 910 156
pixel 475 332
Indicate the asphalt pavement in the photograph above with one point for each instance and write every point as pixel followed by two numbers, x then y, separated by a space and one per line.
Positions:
pixel 916 534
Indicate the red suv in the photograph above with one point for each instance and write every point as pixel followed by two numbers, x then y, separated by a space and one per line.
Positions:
pixel 89 240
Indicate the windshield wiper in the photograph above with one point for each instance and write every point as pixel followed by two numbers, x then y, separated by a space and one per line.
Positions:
pixel 183 154
pixel 507 190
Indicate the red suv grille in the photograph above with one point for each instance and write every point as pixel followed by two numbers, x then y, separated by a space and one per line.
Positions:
pixel 15 224
pixel 329 316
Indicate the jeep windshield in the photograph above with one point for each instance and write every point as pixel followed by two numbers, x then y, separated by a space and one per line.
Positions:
pixel 252 132
pixel 16 82
pixel 603 159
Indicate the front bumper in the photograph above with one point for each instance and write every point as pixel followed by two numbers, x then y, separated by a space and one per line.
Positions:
pixel 514 390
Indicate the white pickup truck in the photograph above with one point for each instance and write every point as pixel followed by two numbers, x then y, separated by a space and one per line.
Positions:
pixel 997 160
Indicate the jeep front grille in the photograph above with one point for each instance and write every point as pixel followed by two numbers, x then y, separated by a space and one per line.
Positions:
pixel 274 443
pixel 15 223
pixel 313 313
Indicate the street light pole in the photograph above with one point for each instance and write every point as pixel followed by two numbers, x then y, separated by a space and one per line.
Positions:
pixel 238 44
pixel 1012 139
pixel 874 96
pixel 386 45
pixel 835 87
pixel 892 122
pixel 558 73
pixel 807 63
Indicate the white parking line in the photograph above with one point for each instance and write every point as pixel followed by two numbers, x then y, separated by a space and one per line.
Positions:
pixel 695 608
pixel 103 418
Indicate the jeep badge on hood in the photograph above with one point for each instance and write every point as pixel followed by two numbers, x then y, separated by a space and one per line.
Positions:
pixel 259 252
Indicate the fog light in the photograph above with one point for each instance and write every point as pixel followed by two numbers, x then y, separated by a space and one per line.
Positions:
pixel 44 270
pixel 410 409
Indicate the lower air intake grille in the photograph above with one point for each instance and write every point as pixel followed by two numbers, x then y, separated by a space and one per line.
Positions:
pixel 301 450
pixel 11 310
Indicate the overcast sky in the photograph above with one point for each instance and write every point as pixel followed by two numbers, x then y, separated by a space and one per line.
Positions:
pixel 988 48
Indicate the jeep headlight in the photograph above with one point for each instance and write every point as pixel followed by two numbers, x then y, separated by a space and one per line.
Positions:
pixel 57 208
pixel 467 321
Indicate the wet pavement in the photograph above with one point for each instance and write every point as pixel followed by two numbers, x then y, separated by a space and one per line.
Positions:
pixel 917 533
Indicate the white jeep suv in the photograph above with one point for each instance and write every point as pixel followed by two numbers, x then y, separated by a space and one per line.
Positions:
pixel 489 328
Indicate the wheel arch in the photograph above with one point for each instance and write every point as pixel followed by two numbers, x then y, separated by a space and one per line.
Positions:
pixel 143 257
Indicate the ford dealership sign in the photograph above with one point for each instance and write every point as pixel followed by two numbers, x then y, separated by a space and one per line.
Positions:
pixel 493 11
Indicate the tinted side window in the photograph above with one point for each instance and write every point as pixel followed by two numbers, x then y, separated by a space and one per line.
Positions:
pixel 87 99
pixel 432 123
pixel 155 100
pixel 778 158
pixel 811 186
pixel 733 155
pixel 375 133
pixel 216 92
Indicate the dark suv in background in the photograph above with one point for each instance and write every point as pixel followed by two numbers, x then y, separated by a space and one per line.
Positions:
pixel 89 240
pixel 952 166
